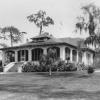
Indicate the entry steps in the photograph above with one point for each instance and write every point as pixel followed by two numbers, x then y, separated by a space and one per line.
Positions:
pixel 13 67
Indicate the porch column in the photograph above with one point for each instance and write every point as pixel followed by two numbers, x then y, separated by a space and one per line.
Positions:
pixel 3 58
pixel 29 55
pixel 77 56
pixel 16 56
pixel 45 51
pixel 84 59
pixel 71 55
pixel 91 59
pixel 62 52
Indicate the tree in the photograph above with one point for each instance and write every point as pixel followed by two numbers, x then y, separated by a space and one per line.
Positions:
pixel 51 57
pixel 48 60
pixel 90 21
pixel 13 34
pixel 40 20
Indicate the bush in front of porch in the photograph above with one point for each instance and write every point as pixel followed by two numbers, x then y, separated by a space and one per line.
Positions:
pixel 1 67
pixel 57 66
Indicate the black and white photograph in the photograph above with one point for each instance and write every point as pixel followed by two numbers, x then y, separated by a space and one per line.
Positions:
pixel 49 50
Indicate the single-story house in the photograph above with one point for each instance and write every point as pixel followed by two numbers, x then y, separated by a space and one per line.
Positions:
pixel 65 47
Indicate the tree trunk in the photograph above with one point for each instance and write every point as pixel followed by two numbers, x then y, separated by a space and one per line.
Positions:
pixel 11 39
pixel 40 30
pixel 50 70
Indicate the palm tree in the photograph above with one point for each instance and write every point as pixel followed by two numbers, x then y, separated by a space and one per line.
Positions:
pixel 13 34
pixel 40 20
pixel 89 22
pixel 94 40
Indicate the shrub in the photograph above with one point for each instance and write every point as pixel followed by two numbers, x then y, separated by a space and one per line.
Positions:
pixel 1 68
pixel 81 66
pixel 90 70
pixel 47 62
pixel 43 62
pixel 31 67
pixel 61 65
pixel 54 67
pixel 71 67
pixel 27 67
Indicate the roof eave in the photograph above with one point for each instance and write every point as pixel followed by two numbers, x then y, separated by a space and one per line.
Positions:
pixel 47 44
pixel 91 50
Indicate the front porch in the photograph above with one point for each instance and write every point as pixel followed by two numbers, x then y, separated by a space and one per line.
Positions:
pixel 34 53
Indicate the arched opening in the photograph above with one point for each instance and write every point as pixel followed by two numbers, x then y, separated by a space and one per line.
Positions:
pixel 57 51
pixel 23 55
pixel 36 53
pixel 74 53
pixel 10 56
pixel 67 53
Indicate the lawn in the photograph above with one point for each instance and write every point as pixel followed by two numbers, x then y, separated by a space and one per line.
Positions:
pixel 40 86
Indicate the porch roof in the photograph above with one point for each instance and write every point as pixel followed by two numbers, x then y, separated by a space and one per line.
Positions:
pixel 50 42
pixel 73 42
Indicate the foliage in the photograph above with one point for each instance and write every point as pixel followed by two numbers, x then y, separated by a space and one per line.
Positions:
pixel 89 21
pixel 81 66
pixel 31 67
pixel 48 60
pixel 61 65
pixel 41 20
pixel 49 63
pixel 47 66
pixel 12 33
pixel 42 60
pixel 90 70
pixel 27 67
pixel 1 67
pixel 71 67
pixel 43 63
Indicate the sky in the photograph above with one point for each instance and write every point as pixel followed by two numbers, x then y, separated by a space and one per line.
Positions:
pixel 63 12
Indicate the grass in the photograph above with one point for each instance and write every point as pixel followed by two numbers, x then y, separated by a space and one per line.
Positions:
pixel 59 86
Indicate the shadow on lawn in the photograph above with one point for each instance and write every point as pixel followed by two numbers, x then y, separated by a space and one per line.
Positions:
pixel 46 91
pixel 57 74
pixel 66 75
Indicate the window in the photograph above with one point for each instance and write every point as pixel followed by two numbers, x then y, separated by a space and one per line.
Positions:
pixel 36 53
pixel 23 55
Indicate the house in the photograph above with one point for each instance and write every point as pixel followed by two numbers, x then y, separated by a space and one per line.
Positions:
pixel 65 47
